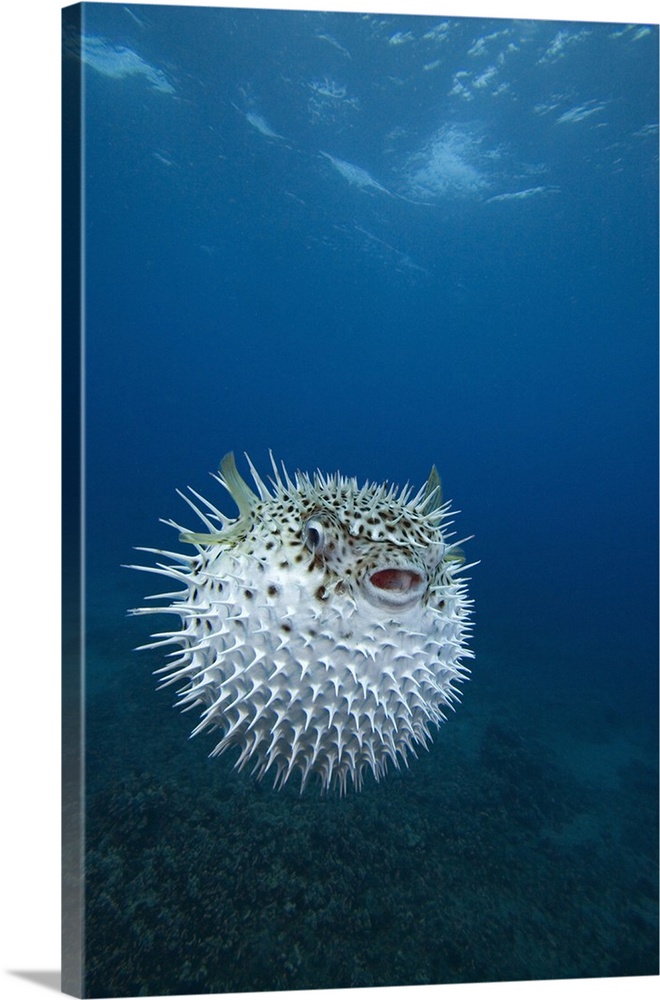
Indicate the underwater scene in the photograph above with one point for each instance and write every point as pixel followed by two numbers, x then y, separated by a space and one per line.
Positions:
pixel 415 258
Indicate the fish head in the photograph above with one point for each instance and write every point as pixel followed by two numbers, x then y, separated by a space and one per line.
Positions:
pixel 371 556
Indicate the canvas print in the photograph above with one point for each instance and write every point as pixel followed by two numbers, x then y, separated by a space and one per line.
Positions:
pixel 360 511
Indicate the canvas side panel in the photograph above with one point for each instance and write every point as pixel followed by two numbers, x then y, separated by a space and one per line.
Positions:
pixel 72 605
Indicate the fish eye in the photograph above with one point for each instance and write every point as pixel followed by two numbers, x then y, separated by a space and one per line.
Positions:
pixel 314 535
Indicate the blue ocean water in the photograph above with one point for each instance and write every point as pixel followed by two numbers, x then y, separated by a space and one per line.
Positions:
pixel 374 243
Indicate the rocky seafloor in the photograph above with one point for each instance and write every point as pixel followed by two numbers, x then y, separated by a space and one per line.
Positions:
pixel 523 846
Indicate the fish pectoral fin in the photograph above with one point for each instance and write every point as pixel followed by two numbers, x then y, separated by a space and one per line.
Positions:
pixel 432 499
pixel 201 538
pixel 244 498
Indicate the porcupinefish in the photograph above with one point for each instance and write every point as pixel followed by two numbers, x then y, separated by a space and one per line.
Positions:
pixel 323 629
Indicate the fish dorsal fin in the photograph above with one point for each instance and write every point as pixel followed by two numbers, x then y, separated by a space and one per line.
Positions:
pixel 432 499
pixel 244 498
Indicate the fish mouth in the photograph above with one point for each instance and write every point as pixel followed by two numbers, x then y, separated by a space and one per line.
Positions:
pixel 394 586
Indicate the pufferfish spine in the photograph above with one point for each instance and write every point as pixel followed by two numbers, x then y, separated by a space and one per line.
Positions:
pixel 323 629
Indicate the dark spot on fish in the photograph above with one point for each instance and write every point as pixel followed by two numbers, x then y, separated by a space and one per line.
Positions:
pixel 321 593
pixel 249 594
pixel 272 590
pixel 286 628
